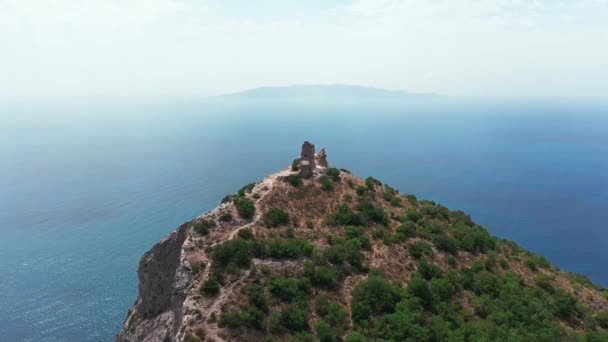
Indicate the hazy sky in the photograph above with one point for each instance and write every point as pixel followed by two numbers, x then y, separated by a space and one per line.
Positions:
pixel 186 47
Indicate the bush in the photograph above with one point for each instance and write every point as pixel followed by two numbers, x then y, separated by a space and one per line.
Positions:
pixel 326 183
pixel 333 173
pixel 191 338
pixel 420 248
pixel 246 189
pixel 407 229
pixel 295 165
pixel 294 319
pixel 245 208
pixel 420 289
pixel 294 180
pixel 210 287
pixel 325 332
pixel 344 215
pixel 602 319
pixel 323 276
pixel 275 217
pixel 361 190
pixel 283 248
pixel 245 234
pixel 225 217
pixel 235 252
pixel 372 214
pixel 202 227
pixel 257 298
pixel 446 243
pixel 286 288
pixel 427 270
pixel 372 297
pixel 332 312
pixel 412 215
pixel 372 183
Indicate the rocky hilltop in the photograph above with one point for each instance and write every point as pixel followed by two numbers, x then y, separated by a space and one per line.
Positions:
pixel 314 253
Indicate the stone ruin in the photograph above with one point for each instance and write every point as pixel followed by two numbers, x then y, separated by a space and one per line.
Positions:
pixel 309 162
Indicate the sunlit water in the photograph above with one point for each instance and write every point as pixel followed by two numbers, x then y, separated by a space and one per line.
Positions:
pixel 86 188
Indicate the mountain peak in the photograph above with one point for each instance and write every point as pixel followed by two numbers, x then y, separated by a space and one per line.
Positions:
pixel 313 252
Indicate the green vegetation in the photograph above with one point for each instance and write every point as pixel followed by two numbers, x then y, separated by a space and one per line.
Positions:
pixel 294 180
pixel 275 217
pixel 460 283
pixel 419 248
pixel 202 227
pixel 210 287
pixel 246 189
pixel 326 183
pixel 245 208
pixel 295 165
pixel 333 173
pixel 225 217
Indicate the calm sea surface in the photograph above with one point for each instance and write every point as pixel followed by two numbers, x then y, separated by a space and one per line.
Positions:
pixel 86 187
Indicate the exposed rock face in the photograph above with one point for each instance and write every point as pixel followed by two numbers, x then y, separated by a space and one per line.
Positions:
pixel 307 160
pixel 163 277
pixel 321 158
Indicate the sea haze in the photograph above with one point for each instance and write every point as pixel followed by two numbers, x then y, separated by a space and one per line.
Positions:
pixel 88 185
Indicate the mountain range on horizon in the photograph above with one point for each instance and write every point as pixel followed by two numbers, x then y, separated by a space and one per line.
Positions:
pixel 326 92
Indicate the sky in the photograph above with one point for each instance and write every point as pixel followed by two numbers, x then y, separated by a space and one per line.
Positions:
pixel 210 47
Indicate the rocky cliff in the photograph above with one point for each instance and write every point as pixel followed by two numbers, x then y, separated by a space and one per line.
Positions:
pixel 315 253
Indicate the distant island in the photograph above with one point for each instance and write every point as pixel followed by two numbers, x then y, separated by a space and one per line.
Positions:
pixel 315 253
pixel 331 92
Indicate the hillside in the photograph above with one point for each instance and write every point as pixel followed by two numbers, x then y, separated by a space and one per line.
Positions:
pixel 331 92
pixel 316 253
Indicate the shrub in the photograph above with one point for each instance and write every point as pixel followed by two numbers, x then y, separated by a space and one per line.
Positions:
pixel 227 198
pixel 294 180
pixel 420 248
pixel 372 182
pixel 602 319
pixel 396 201
pixel 191 338
pixel 275 217
pixel 225 217
pixel 200 332
pixel 246 189
pixel 412 215
pixel 326 183
pixel 407 229
pixel 202 227
pixel 295 165
pixel 356 336
pixel 294 319
pixel 332 312
pixel 373 296
pixel 245 234
pixel 428 271
pixel 245 208
pixel 344 215
pixel 412 199
pixel 420 289
pixel 283 248
pixel 235 252
pixel 284 288
pixel 325 332
pixel 333 173
pixel 210 287
pixel 323 276
pixel 372 214
pixel 361 190
pixel 446 243
pixel 257 298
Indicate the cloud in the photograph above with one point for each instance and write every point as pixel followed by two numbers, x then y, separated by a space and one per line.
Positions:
pixel 184 47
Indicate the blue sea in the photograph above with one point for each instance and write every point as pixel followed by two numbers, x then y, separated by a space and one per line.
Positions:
pixel 88 185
